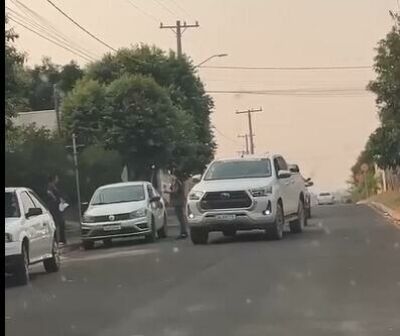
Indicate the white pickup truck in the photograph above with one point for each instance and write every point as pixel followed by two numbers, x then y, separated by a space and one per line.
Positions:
pixel 250 193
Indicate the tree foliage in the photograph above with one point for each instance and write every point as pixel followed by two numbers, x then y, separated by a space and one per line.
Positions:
pixel 155 110
pixel 387 67
pixel 34 154
pixel 177 76
pixel 43 77
pixel 15 79
pixel 383 145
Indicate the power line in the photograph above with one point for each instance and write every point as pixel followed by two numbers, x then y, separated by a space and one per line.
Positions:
pixel 360 67
pixel 294 94
pixel 225 136
pixel 165 8
pixel 80 26
pixel 39 28
pixel 152 17
pixel 50 40
pixel 46 24
pixel 183 10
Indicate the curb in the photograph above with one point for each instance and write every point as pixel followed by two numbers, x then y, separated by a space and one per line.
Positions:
pixel 387 212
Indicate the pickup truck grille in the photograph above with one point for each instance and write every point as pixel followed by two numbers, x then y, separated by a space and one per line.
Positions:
pixel 225 200
pixel 119 217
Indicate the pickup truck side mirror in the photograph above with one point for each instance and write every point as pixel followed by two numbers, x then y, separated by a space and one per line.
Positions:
pixel 32 212
pixel 283 174
pixel 309 184
pixel 196 178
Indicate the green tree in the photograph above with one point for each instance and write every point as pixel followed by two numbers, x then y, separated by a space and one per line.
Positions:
pixel 178 77
pixel 98 167
pixel 384 145
pixel 34 154
pixel 141 122
pixel 83 110
pixel 15 78
pixel 42 80
pixel 387 67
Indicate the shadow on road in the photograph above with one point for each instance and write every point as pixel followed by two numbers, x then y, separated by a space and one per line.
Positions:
pixel 311 232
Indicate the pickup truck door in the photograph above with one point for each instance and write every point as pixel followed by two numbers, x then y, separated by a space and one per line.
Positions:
pixel 291 195
pixel 284 186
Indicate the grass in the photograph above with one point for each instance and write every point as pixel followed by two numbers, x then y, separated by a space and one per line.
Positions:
pixel 390 198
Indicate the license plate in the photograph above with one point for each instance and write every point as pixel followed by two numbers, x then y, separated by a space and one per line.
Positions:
pixel 111 227
pixel 226 217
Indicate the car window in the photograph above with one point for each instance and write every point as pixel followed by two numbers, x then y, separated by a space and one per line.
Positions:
pixel 118 194
pixel 26 202
pixel 282 163
pixel 150 191
pixel 235 169
pixel 37 201
pixel 11 208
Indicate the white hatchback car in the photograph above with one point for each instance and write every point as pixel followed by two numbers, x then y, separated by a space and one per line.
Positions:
pixel 325 198
pixel 30 234
pixel 123 210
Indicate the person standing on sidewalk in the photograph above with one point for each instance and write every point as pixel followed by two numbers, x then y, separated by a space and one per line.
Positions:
pixel 178 201
pixel 54 200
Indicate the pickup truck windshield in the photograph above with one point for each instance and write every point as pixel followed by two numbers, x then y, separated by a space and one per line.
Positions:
pixel 238 169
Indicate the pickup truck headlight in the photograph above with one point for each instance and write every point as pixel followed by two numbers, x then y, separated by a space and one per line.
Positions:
pixel 8 238
pixel 196 195
pixel 261 192
pixel 138 213
pixel 88 219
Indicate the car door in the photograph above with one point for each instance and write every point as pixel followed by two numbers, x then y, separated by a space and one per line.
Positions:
pixel 291 193
pixel 153 205
pixel 160 209
pixel 285 185
pixel 33 227
pixel 47 225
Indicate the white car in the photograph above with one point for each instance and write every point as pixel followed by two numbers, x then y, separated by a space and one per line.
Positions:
pixel 325 198
pixel 30 234
pixel 123 210
pixel 254 192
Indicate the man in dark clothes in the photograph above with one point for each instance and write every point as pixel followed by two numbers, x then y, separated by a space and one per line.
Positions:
pixel 54 199
pixel 178 201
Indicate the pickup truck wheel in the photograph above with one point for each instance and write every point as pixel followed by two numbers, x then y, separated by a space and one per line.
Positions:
pixel 53 264
pixel 199 236
pixel 275 231
pixel 298 225
pixel 88 244
pixel 22 268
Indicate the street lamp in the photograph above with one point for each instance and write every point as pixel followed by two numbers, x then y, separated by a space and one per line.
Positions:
pixel 209 58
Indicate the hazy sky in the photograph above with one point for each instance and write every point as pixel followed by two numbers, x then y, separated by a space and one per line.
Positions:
pixel 323 135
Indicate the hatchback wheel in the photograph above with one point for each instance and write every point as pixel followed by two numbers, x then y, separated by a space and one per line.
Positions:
pixel 22 268
pixel 163 232
pixel 53 264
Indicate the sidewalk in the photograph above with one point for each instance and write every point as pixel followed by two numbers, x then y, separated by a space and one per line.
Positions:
pixel 72 229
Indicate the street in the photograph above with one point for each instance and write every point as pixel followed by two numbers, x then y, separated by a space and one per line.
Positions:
pixel 340 277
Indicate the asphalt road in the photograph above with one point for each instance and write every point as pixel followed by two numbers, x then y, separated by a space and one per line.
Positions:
pixel 340 277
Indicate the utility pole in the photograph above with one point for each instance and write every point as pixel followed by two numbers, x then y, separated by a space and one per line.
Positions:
pixel 57 108
pixel 246 138
pixel 251 135
pixel 177 29
pixel 76 169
